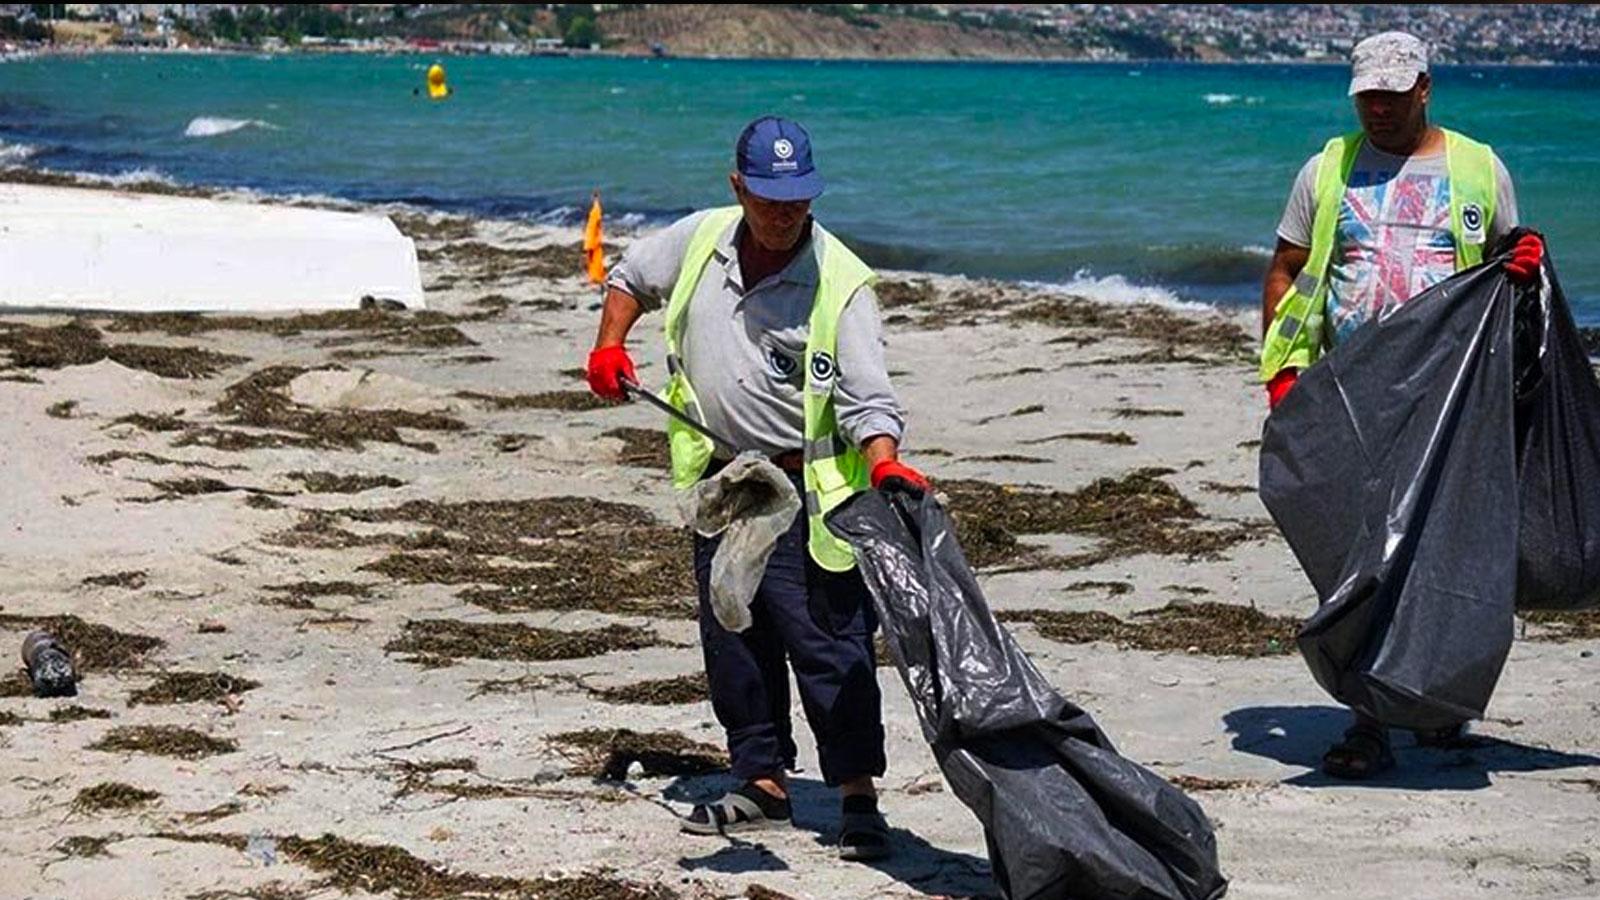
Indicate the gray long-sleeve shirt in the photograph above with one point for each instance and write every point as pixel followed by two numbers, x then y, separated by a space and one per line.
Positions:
pixel 744 349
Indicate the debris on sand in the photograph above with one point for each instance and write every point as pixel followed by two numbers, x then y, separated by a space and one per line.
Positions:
pixel 1565 626
pixel 112 796
pixel 644 448
pixel 62 409
pixel 1137 513
pixel 330 483
pixel 608 753
pixel 509 640
pixel 1210 629
pixel 259 401
pixel 80 344
pixel 1199 783
pixel 1112 588
pixel 132 580
pixel 1112 438
pixel 191 687
pixel 351 867
pixel 1231 490
pixel 163 740
pixel 568 401
pixel 78 714
pixel 658 692
pixel 94 647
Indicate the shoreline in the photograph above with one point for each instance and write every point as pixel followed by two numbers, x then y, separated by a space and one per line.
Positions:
pixel 74 51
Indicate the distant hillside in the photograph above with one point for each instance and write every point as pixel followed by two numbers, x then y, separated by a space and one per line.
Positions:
pixel 789 32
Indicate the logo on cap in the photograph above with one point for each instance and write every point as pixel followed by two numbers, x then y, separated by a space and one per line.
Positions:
pixel 782 149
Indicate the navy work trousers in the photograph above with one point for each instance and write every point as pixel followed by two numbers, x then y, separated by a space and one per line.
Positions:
pixel 822 623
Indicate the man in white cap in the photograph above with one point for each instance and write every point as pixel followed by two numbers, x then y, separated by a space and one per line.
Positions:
pixel 1375 218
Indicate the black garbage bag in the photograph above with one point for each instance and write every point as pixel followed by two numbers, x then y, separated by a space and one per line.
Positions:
pixel 1393 467
pixel 1063 814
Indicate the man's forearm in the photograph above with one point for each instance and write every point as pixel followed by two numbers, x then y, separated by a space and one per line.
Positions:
pixel 878 448
pixel 1277 284
pixel 617 316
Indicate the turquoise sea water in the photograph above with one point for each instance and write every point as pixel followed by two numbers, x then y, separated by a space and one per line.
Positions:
pixel 1163 175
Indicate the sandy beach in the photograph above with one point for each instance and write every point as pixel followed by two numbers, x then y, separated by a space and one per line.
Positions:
pixel 384 604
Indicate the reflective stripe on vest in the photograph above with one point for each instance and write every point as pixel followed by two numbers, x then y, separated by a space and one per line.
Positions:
pixel 1298 333
pixel 834 469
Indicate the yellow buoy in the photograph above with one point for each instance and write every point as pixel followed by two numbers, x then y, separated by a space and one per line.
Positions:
pixel 437 89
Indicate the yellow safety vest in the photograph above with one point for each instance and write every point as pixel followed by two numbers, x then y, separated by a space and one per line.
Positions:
pixel 1298 334
pixel 834 469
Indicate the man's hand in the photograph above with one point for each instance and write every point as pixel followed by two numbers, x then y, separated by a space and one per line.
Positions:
pixel 1527 256
pixel 608 366
pixel 892 475
pixel 1279 386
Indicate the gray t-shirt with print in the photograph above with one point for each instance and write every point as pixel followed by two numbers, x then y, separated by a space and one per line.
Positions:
pixel 1393 235
pixel 744 349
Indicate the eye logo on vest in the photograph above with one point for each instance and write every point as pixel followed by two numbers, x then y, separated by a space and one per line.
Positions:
pixel 1472 223
pixel 822 367
pixel 782 149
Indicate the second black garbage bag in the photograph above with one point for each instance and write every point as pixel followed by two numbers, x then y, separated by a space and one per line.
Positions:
pixel 1064 815
pixel 1435 472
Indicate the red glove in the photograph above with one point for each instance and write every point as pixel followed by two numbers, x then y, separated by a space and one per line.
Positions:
pixel 1279 386
pixel 607 367
pixel 1527 256
pixel 892 473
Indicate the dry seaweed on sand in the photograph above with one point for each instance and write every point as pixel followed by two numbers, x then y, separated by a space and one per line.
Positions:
pixel 1210 629
pixel 331 483
pixel 433 227
pixel 762 892
pixel 322 589
pixel 79 344
pixel 1137 412
pixel 163 740
pixel 132 580
pixel 1112 588
pixel 349 867
pixel 364 319
pixel 1137 513
pixel 608 753
pixel 9 719
pixel 893 294
pixel 422 337
pixel 1112 438
pixel 259 401
pixel 489 262
pixel 178 488
pixel 215 813
pixel 1186 333
pixel 1005 458
pixel 78 713
pixel 94 647
pixel 190 687
pixel 85 846
pixel 510 640
pixel 62 409
pixel 15 684
pixel 658 691
pixel 112 796
pixel 1565 626
pixel 1198 783
pixel 156 422
pixel 272 890
pixel 569 401
pixel 541 553
pixel 645 448
pixel 1231 490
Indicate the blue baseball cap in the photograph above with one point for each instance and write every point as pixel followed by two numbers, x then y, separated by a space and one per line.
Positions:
pixel 774 156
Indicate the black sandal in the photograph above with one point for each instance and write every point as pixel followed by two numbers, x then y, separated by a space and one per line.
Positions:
pixel 1363 753
pixel 863 833
pixel 745 808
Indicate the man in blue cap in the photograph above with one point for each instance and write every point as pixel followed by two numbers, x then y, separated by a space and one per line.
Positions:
pixel 774 343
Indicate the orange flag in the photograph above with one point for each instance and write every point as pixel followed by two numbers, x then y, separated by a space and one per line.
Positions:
pixel 593 251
